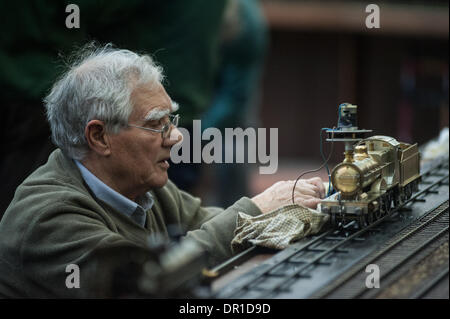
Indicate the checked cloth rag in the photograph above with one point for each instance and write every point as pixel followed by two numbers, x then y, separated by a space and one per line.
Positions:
pixel 278 228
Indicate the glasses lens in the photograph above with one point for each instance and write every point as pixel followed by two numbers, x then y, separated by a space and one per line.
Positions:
pixel 167 128
pixel 174 120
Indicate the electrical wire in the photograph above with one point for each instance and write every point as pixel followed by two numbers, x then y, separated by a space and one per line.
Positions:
pixel 317 169
pixel 323 157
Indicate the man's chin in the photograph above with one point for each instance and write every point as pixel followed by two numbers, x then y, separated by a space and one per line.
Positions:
pixel 161 182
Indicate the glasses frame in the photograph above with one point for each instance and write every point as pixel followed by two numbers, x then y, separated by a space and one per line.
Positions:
pixel 173 121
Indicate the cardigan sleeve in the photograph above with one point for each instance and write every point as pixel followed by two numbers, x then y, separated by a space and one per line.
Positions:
pixel 212 227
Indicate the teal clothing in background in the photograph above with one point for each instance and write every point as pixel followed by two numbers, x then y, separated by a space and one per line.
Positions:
pixel 241 63
pixel 237 89
pixel 182 36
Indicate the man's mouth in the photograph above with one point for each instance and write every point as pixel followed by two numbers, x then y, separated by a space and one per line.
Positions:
pixel 164 163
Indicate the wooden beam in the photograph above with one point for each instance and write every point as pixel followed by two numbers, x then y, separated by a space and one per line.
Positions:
pixel 411 20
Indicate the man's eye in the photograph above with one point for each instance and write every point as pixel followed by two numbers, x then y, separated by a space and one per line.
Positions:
pixel 157 124
pixel 163 121
pixel 153 124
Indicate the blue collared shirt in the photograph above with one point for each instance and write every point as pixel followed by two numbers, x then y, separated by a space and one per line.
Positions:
pixel 135 210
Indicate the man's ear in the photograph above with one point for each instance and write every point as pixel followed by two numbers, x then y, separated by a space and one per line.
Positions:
pixel 98 140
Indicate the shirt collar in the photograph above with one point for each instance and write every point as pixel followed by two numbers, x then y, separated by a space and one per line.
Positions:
pixel 115 199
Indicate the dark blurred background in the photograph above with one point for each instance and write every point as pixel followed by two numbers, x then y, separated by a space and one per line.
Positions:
pixel 318 54
pixel 321 54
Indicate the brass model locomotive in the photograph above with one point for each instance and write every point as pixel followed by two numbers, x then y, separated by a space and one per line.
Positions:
pixel 377 174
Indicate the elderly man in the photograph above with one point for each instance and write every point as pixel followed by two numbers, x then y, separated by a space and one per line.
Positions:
pixel 106 185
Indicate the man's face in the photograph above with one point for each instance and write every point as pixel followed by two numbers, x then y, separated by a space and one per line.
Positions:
pixel 139 157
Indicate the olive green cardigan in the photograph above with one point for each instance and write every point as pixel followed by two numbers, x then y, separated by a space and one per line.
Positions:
pixel 54 220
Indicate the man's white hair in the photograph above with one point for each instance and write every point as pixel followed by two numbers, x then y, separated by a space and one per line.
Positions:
pixel 98 85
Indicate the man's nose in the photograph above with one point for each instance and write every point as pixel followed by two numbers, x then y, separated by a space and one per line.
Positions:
pixel 174 137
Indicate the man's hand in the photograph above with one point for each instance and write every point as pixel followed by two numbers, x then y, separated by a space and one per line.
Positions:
pixel 308 193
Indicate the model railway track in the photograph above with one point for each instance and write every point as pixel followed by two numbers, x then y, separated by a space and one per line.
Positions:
pixel 293 267
pixel 394 258
pixel 421 293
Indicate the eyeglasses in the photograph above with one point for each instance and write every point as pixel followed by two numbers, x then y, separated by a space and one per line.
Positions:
pixel 165 130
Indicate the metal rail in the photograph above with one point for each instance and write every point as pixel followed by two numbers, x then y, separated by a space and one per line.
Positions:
pixel 410 255
pixel 279 261
pixel 383 251
pixel 424 290
pixel 230 263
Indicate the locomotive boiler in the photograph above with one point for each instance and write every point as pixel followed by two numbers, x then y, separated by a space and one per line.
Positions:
pixel 377 174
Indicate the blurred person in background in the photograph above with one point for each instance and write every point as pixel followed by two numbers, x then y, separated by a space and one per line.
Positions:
pixel 236 94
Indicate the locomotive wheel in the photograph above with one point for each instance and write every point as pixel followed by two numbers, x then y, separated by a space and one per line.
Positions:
pixel 416 186
pixel 369 218
pixel 342 220
pixel 378 213
pixel 387 204
pixel 333 220
pixel 362 222
pixel 390 203
pixel 408 191
pixel 397 200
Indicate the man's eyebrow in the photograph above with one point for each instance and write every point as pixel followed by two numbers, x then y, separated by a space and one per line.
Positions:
pixel 157 114
pixel 175 106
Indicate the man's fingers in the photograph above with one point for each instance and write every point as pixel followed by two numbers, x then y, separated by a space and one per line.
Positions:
pixel 312 203
pixel 306 190
pixel 317 181
pixel 308 201
pixel 307 193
